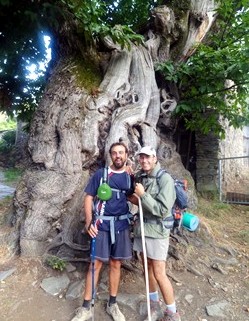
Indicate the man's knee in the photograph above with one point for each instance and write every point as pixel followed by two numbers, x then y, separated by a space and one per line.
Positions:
pixel 97 266
pixel 115 264
pixel 159 270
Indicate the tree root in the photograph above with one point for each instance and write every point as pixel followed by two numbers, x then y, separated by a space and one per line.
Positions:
pixel 63 239
pixel 130 266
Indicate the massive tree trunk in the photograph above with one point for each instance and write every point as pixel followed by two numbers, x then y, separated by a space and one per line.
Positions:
pixel 73 129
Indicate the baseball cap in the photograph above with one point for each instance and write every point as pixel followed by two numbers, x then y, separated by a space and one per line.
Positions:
pixel 147 150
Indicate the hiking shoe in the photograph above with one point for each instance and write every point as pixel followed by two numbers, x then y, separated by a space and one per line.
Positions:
pixel 82 314
pixel 113 310
pixel 170 316
pixel 155 311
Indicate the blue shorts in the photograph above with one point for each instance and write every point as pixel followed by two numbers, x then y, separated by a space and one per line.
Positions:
pixel 120 250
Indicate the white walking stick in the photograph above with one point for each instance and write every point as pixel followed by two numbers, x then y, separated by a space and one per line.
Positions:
pixel 145 259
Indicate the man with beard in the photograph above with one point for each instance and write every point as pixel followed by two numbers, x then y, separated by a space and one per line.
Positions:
pixel 108 226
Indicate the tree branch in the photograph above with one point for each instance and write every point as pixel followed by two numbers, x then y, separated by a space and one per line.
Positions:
pixel 217 91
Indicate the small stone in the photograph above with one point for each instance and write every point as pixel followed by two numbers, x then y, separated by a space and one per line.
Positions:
pixel 189 298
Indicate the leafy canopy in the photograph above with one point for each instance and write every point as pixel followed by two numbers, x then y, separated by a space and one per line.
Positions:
pixel 24 24
pixel 201 80
pixel 214 82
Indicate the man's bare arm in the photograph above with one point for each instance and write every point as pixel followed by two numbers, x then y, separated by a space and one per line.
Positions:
pixel 88 205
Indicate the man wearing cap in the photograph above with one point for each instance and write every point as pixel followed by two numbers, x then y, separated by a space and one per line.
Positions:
pixel 109 227
pixel 157 201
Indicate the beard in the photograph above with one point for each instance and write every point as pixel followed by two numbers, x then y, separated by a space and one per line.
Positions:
pixel 119 163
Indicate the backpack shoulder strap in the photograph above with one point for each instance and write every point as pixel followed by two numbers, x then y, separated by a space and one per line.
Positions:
pixel 128 179
pixel 105 175
pixel 159 174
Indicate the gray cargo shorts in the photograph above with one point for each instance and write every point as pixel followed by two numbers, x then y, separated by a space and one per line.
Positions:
pixel 156 249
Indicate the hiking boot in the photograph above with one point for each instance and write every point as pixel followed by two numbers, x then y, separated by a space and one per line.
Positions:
pixel 82 314
pixel 155 311
pixel 113 310
pixel 170 316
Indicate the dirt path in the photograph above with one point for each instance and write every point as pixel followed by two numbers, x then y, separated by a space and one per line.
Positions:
pixel 211 278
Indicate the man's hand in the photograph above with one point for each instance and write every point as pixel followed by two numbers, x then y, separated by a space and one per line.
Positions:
pixel 139 189
pixel 92 230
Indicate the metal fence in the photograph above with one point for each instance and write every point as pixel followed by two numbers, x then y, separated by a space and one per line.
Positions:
pixel 234 180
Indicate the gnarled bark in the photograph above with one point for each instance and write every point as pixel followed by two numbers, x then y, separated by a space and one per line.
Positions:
pixel 72 129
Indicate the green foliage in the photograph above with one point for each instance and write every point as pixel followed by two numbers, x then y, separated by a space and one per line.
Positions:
pixel 132 13
pixel 12 174
pixel 205 93
pixel 94 24
pixel 200 80
pixel 8 124
pixel 7 142
pixel 55 262
pixel 23 25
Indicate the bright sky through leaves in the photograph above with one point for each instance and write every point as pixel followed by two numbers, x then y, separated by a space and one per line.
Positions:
pixel 37 70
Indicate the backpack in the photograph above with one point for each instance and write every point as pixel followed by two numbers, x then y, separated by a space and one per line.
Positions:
pixel 104 193
pixel 180 187
pixel 181 202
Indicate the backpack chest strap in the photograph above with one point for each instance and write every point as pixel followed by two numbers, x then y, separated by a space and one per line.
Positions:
pixel 118 191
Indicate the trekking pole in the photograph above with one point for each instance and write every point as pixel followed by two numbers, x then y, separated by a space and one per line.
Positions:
pixel 93 241
pixel 145 259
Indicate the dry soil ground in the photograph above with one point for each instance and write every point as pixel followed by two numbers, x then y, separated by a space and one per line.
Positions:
pixel 209 267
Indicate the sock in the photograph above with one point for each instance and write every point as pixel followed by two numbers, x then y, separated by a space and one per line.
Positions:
pixel 171 307
pixel 112 300
pixel 86 304
pixel 154 296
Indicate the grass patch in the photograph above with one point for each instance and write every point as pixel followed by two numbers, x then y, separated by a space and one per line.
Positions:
pixel 244 235
pixel 226 223
pixel 212 209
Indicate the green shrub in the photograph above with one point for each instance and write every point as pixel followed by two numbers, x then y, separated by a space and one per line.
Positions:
pixel 55 262
pixel 8 124
pixel 7 142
